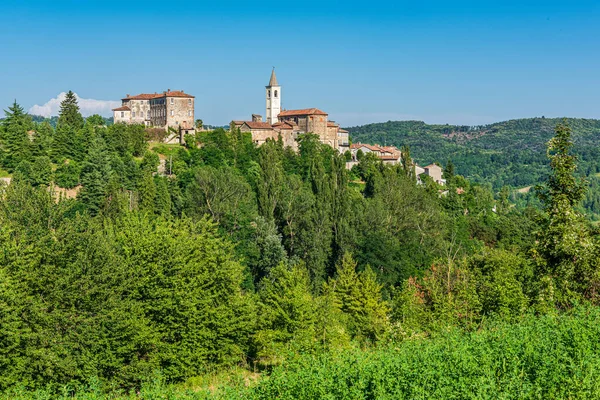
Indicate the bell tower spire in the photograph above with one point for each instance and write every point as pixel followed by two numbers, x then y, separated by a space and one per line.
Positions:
pixel 273 99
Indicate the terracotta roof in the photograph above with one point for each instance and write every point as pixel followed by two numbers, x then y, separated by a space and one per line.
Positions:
pixel 149 96
pixel 238 122
pixel 123 108
pixel 143 96
pixel 332 125
pixel 368 146
pixel 432 165
pixel 343 130
pixel 305 111
pixel 258 125
pixel 177 93
pixel 284 125
pixel 273 80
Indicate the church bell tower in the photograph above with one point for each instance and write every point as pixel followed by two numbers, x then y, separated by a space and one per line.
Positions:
pixel 273 99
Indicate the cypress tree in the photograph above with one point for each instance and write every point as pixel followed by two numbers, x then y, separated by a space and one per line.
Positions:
pixel 147 193
pixel 163 197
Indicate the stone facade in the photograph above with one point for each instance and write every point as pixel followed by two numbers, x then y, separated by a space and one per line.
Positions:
pixel 170 109
pixel 288 124
pixel 387 154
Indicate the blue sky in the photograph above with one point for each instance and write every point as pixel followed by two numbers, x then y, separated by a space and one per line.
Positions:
pixel 466 62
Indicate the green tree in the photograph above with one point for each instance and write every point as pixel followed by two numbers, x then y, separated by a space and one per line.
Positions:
pixel 67 174
pixel 565 250
pixel 95 174
pixel 41 171
pixel 69 115
pixel 95 120
pixel 359 297
pixel 16 145
pixel 147 193
pixel 287 314
pixel 163 202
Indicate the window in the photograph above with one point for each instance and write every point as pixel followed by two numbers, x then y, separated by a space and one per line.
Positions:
pixel 189 113
pixel 133 114
pixel 172 100
pixel 189 102
pixel 268 93
pixel 148 115
pixel 172 113
pixel 122 114
pixel 276 94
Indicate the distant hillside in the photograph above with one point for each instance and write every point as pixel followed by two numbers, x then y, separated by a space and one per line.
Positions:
pixel 54 119
pixel 504 153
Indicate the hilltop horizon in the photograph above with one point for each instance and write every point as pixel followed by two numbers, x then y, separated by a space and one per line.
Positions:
pixel 109 116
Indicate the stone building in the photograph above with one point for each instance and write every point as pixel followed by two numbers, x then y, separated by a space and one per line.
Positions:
pixel 170 109
pixel 288 124
pixel 387 154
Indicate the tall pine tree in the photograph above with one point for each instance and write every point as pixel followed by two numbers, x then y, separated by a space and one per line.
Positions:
pixel 16 146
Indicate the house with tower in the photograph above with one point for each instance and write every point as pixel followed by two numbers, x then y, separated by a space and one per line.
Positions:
pixel 288 124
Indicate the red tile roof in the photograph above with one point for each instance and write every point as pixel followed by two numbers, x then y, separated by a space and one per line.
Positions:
pixel 332 125
pixel 178 93
pixel 149 96
pixel 123 108
pixel 258 125
pixel 432 165
pixel 343 131
pixel 143 96
pixel 305 111
pixel 284 125
pixel 368 146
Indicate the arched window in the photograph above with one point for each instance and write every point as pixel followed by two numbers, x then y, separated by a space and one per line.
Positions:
pixel 268 93
pixel 276 94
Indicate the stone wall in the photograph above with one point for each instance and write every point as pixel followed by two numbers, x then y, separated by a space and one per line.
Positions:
pixel 140 111
pixel 122 117
pixel 180 112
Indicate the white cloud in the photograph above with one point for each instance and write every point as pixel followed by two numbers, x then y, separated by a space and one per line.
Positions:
pixel 87 106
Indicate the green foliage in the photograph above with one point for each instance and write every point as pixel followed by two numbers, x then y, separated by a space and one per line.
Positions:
pixel 565 251
pixel 69 115
pixel 240 257
pixel 14 140
pixel 287 314
pixel 41 171
pixel 358 296
pixel 505 153
pixel 547 357
pixel 67 175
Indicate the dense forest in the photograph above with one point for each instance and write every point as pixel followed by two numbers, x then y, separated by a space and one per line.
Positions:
pixel 510 153
pixel 130 266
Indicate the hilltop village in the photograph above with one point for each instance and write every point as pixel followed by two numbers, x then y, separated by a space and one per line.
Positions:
pixel 173 111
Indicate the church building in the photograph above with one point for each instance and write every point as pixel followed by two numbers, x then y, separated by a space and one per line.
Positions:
pixel 288 124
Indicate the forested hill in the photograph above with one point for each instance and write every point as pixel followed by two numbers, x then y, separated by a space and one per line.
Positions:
pixel 504 153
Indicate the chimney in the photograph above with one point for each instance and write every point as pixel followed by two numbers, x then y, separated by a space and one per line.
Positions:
pixel 127 95
pixel 168 90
